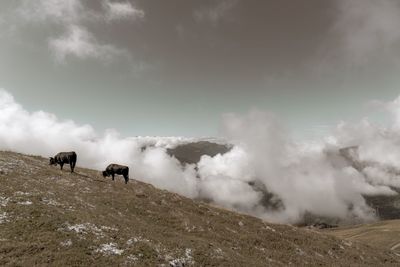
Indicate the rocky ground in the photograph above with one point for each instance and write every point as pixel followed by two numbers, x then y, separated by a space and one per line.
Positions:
pixel 53 217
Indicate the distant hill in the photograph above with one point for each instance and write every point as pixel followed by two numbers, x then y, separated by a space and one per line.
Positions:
pixel 52 217
pixel 385 234
pixel 192 152
pixel 387 207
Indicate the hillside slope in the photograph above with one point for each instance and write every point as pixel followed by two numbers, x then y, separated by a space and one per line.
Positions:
pixel 384 234
pixel 48 216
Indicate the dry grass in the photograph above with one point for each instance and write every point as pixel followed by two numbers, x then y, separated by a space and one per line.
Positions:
pixel 52 217
pixel 385 234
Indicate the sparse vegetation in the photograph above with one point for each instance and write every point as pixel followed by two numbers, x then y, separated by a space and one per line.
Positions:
pixel 384 234
pixel 53 217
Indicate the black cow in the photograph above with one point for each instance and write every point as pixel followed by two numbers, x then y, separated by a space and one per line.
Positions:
pixel 114 169
pixel 64 157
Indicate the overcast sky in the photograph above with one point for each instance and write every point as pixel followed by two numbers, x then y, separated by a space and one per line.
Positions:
pixel 155 67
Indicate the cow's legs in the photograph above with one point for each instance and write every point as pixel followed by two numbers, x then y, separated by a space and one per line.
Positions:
pixel 61 165
pixel 72 165
pixel 113 176
pixel 126 179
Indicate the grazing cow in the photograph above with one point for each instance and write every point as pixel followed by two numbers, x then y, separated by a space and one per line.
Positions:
pixel 64 157
pixel 113 169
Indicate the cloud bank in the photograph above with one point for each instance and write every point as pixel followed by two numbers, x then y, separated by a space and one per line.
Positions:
pixel 81 43
pixel 122 10
pixel 266 174
pixel 73 16
pixel 55 11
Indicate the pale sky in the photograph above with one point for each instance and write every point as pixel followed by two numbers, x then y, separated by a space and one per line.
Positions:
pixel 154 67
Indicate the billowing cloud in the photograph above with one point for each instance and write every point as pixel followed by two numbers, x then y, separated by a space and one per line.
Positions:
pixel 44 134
pixel 80 43
pixel 73 17
pixel 265 174
pixel 304 180
pixel 215 13
pixel 377 145
pixel 57 11
pixel 122 10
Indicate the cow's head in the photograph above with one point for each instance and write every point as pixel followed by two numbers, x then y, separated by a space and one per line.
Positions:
pixel 105 174
pixel 52 161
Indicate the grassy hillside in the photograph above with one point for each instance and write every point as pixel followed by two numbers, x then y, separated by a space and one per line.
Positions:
pixel 52 217
pixel 384 234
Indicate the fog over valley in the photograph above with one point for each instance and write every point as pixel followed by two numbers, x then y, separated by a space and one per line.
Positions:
pixel 264 173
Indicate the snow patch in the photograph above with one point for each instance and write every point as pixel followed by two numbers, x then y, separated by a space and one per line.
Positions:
pixel 3 217
pixel 187 259
pixel 231 230
pixel 51 202
pixel 347 243
pixel 319 255
pixel 189 228
pixel 136 240
pixel 26 203
pixel 108 228
pixel 85 228
pixel 110 249
pixel 4 201
pixel 331 254
pixel 66 243
pixel 218 253
pixel 133 258
pixel 270 228
pixel 300 252
pixel 88 228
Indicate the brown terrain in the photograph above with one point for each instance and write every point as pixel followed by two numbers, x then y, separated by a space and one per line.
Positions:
pixel 383 234
pixel 53 217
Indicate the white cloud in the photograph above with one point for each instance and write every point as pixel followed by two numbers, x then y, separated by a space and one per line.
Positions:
pixel 378 144
pixel 303 178
pixel 80 43
pixel 73 16
pixel 58 11
pixel 74 11
pixel 122 10
pixel 215 13
pixel 44 134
